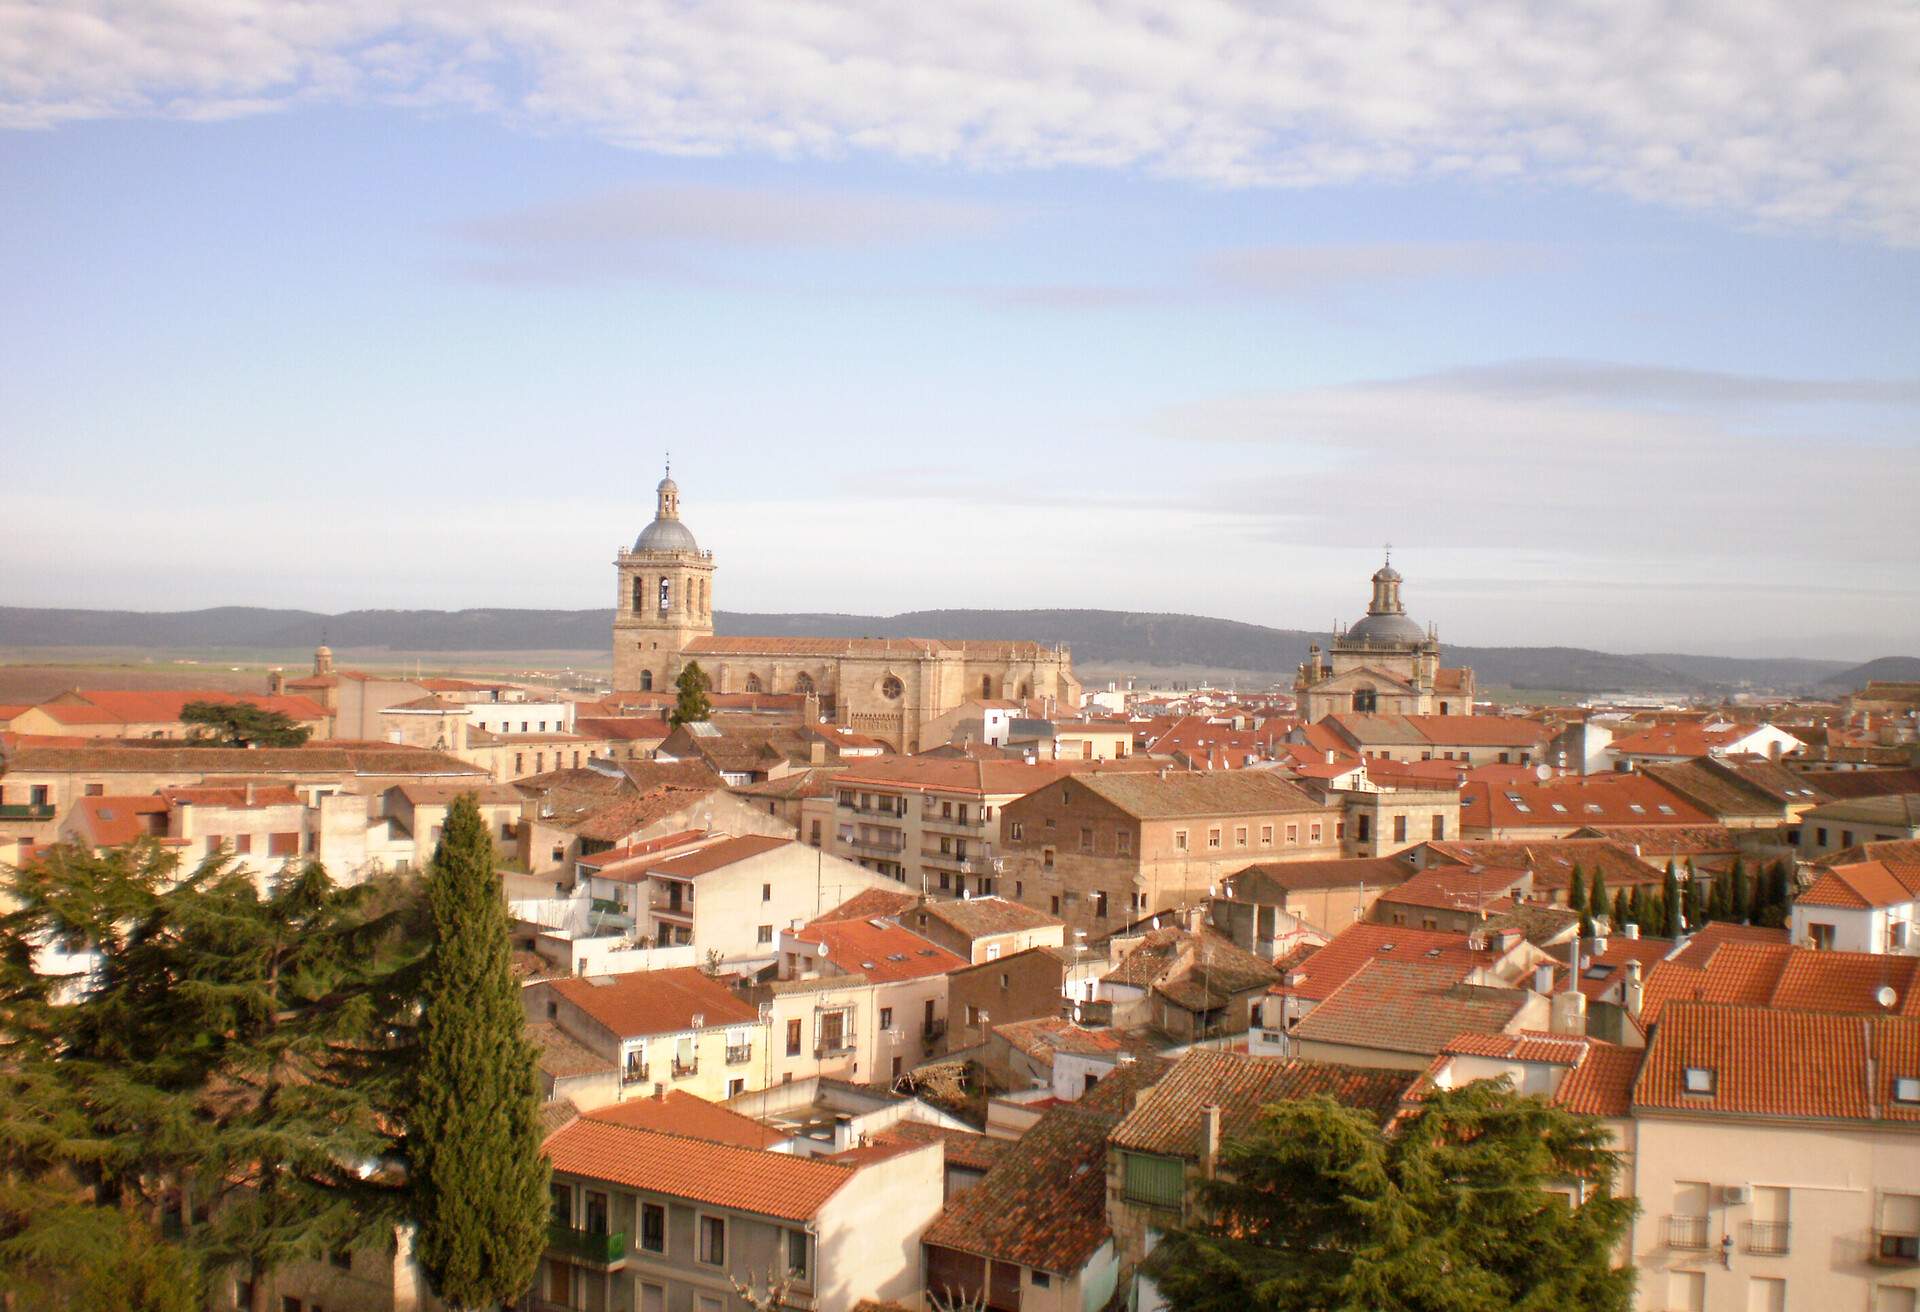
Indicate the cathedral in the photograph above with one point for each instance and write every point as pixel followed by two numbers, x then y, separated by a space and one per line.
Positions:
pixel 1386 664
pixel 886 688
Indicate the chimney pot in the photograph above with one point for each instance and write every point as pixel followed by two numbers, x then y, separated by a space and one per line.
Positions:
pixel 1209 1139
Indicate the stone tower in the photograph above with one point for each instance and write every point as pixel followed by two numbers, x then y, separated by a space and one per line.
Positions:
pixel 665 598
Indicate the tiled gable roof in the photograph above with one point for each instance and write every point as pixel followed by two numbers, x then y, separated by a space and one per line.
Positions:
pixel 870 904
pixel 879 950
pixel 1863 884
pixel 1602 1084
pixel 1166 1119
pixel 680 1113
pixel 1460 888
pixel 1765 1062
pixel 982 916
pixel 963 1148
pixel 1318 974
pixel 780 1185
pixel 1552 860
pixel 1408 1006
pixel 1773 974
pixel 1568 802
pixel 1043 1204
pixel 1272 881
pixel 655 1001
pixel 1149 796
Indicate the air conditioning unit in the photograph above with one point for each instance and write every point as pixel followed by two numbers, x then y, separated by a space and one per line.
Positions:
pixel 1735 1195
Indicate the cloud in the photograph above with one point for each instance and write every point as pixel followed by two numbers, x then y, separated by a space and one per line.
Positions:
pixel 1303 270
pixel 1585 457
pixel 1776 112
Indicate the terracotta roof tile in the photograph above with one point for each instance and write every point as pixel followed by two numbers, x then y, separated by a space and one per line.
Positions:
pixel 1602 1085
pixel 780 1185
pixel 655 1001
pixel 1167 1118
pixel 1408 1006
pixel 1864 884
pixel 879 950
pixel 982 916
pixel 560 1055
pixel 1318 974
pixel 1575 801
pixel 870 904
pixel 1043 1204
pixel 680 1113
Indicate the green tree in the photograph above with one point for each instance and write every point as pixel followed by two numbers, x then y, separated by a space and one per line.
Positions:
pixel 1577 901
pixel 1696 897
pixel 473 1133
pixel 1638 910
pixel 1671 920
pixel 1622 911
pixel 1777 908
pixel 1318 1210
pixel 692 706
pixel 241 724
pixel 1597 903
pixel 1740 895
pixel 1720 898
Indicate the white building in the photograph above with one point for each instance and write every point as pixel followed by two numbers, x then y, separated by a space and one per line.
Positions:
pixel 1866 906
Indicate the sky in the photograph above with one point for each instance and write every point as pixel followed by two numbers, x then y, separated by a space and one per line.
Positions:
pixel 1606 313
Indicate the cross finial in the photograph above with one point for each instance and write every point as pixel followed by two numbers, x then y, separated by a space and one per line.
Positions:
pixel 1389 553
pixel 669 464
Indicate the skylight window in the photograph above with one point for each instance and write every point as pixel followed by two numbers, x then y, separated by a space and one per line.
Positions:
pixel 1665 809
pixel 1523 807
pixel 1699 1080
pixel 1594 808
pixel 1636 808
pixel 1561 807
pixel 1906 1088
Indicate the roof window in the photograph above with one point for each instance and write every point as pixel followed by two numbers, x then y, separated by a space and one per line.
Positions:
pixel 1906 1088
pixel 1636 808
pixel 1593 808
pixel 1699 1080
pixel 1561 807
pixel 1665 809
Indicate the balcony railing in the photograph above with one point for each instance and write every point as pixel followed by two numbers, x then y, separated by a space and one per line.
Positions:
pixel 586 1245
pixel 27 811
pixel 1893 1248
pixel 741 1055
pixel 883 806
pixel 951 824
pixel 1688 1232
pixel 682 1072
pixel 636 1074
pixel 825 1050
pixel 877 847
pixel 933 1029
pixel 1767 1238
pixel 662 907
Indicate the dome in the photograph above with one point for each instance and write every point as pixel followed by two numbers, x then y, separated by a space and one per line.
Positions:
pixel 1387 628
pixel 667 485
pixel 1387 574
pixel 666 535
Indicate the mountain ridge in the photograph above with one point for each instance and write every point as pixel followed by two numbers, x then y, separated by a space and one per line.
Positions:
pixel 1105 639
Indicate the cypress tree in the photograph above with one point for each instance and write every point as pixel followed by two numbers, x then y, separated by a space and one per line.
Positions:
pixel 1597 903
pixel 1696 897
pixel 1779 896
pixel 692 705
pixel 1720 899
pixel 1671 921
pixel 478 1180
pixel 1577 901
pixel 1741 893
pixel 1622 910
pixel 1639 910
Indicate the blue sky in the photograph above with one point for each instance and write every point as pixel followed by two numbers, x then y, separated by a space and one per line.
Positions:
pixel 1607 320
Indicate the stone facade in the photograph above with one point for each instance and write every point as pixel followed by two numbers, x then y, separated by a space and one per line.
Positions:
pixel 1384 664
pixel 887 688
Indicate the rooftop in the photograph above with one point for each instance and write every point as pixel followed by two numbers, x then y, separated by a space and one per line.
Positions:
pixel 1408 1006
pixel 655 1001
pixel 1167 1120
pixel 780 1185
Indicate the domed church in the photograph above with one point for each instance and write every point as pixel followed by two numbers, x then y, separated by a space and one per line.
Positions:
pixel 1386 664
pixel 886 688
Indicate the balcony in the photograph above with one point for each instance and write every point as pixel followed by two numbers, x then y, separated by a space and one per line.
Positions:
pixel 1688 1233
pixel 27 811
pixel 741 1055
pixel 827 1051
pixel 636 1074
pixel 933 1031
pixel 881 806
pixel 953 861
pixel 586 1245
pixel 1767 1238
pixel 683 1072
pixel 971 827
pixel 671 907
pixel 894 847
pixel 1893 1248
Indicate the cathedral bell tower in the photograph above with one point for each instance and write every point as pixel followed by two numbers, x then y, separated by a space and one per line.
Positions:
pixel 664 599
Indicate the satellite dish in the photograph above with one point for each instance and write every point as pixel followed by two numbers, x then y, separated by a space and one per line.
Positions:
pixel 1543 772
pixel 1886 997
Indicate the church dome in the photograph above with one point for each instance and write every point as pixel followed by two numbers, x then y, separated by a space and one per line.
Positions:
pixel 1387 574
pixel 666 535
pixel 1387 628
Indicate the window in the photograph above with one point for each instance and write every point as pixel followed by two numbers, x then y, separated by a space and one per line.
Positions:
pixel 653 1227
pixel 1820 936
pixel 713 1240
pixel 793 1038
pixel 1179 840
pixel 1439 828
pixel 886 1018
pixel 1154 1181
pixel 1046 858
pixel 1906 1089
pixel 666 595
pixel 753 683
pixel 1213 836
pixel 892 689
pixel 1239 835
pixel 765 933
pixel 1293 833
pixel 96 790
pixel 1400 829
pixel 1699 1080
pixel 1041 1280
pixel 1123 842
pixel 1266 835
pixel 797 1253
pixel 1015 830
pixel 1099 907
pixel 766 892
pixel 1315 833
pixel 242 844
pixel 283 844
pixel 341 1258
pixel 1086 838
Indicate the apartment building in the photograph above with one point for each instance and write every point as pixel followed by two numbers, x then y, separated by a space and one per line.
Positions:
pixel 1777 1161
pixel 1836 826
pixel 1470 740
pixel 984 928
pixel 677 1028
pixel 862 1000
pixel 674 1213
pixel 728 896
pixel 1861 906
pixel 931 823
pixel 1101 850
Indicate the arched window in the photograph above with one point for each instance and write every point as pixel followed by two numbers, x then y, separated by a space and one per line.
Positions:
pixel 986 687
pixel 706 606
pixel 1025 692
pixel 892 689
pixel 753 683
pixel 639 594
pixel 646 681
pixel 1365 701
pixel 666 594
pixel 803 683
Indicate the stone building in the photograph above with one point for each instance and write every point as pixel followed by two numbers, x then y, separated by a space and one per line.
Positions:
pixel 888 688
pixel 1386 664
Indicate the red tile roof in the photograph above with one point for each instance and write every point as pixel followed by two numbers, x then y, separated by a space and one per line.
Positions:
pixel 780 1185
pixel 1602 1085
pixel 1575 801
pixel 881 951
pixel 680 1113
pixel 1864 884
pixel 870 904
pixel 1317 975
pixel 655 1001
pixel 1408 1006
pixel 1552 860
pixel 1786 978
pixel 1764 1062
pixel 1166 1118
pixel 154 706
pixel 1043 1204
pixel 1460 888
pixel 113 821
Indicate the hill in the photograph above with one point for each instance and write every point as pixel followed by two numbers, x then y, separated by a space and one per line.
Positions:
pixel 1890 669
pixel 1110 641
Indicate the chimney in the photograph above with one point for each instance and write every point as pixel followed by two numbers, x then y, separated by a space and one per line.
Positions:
pixel 249 793
pixel 1633 992
pixel 843 1136
pixel 817 751
pixel 1632 930
pixel 1599 945
pixel 659 1093
pixel 1209 1139
pixel 1543 978
pixel 1570 1013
